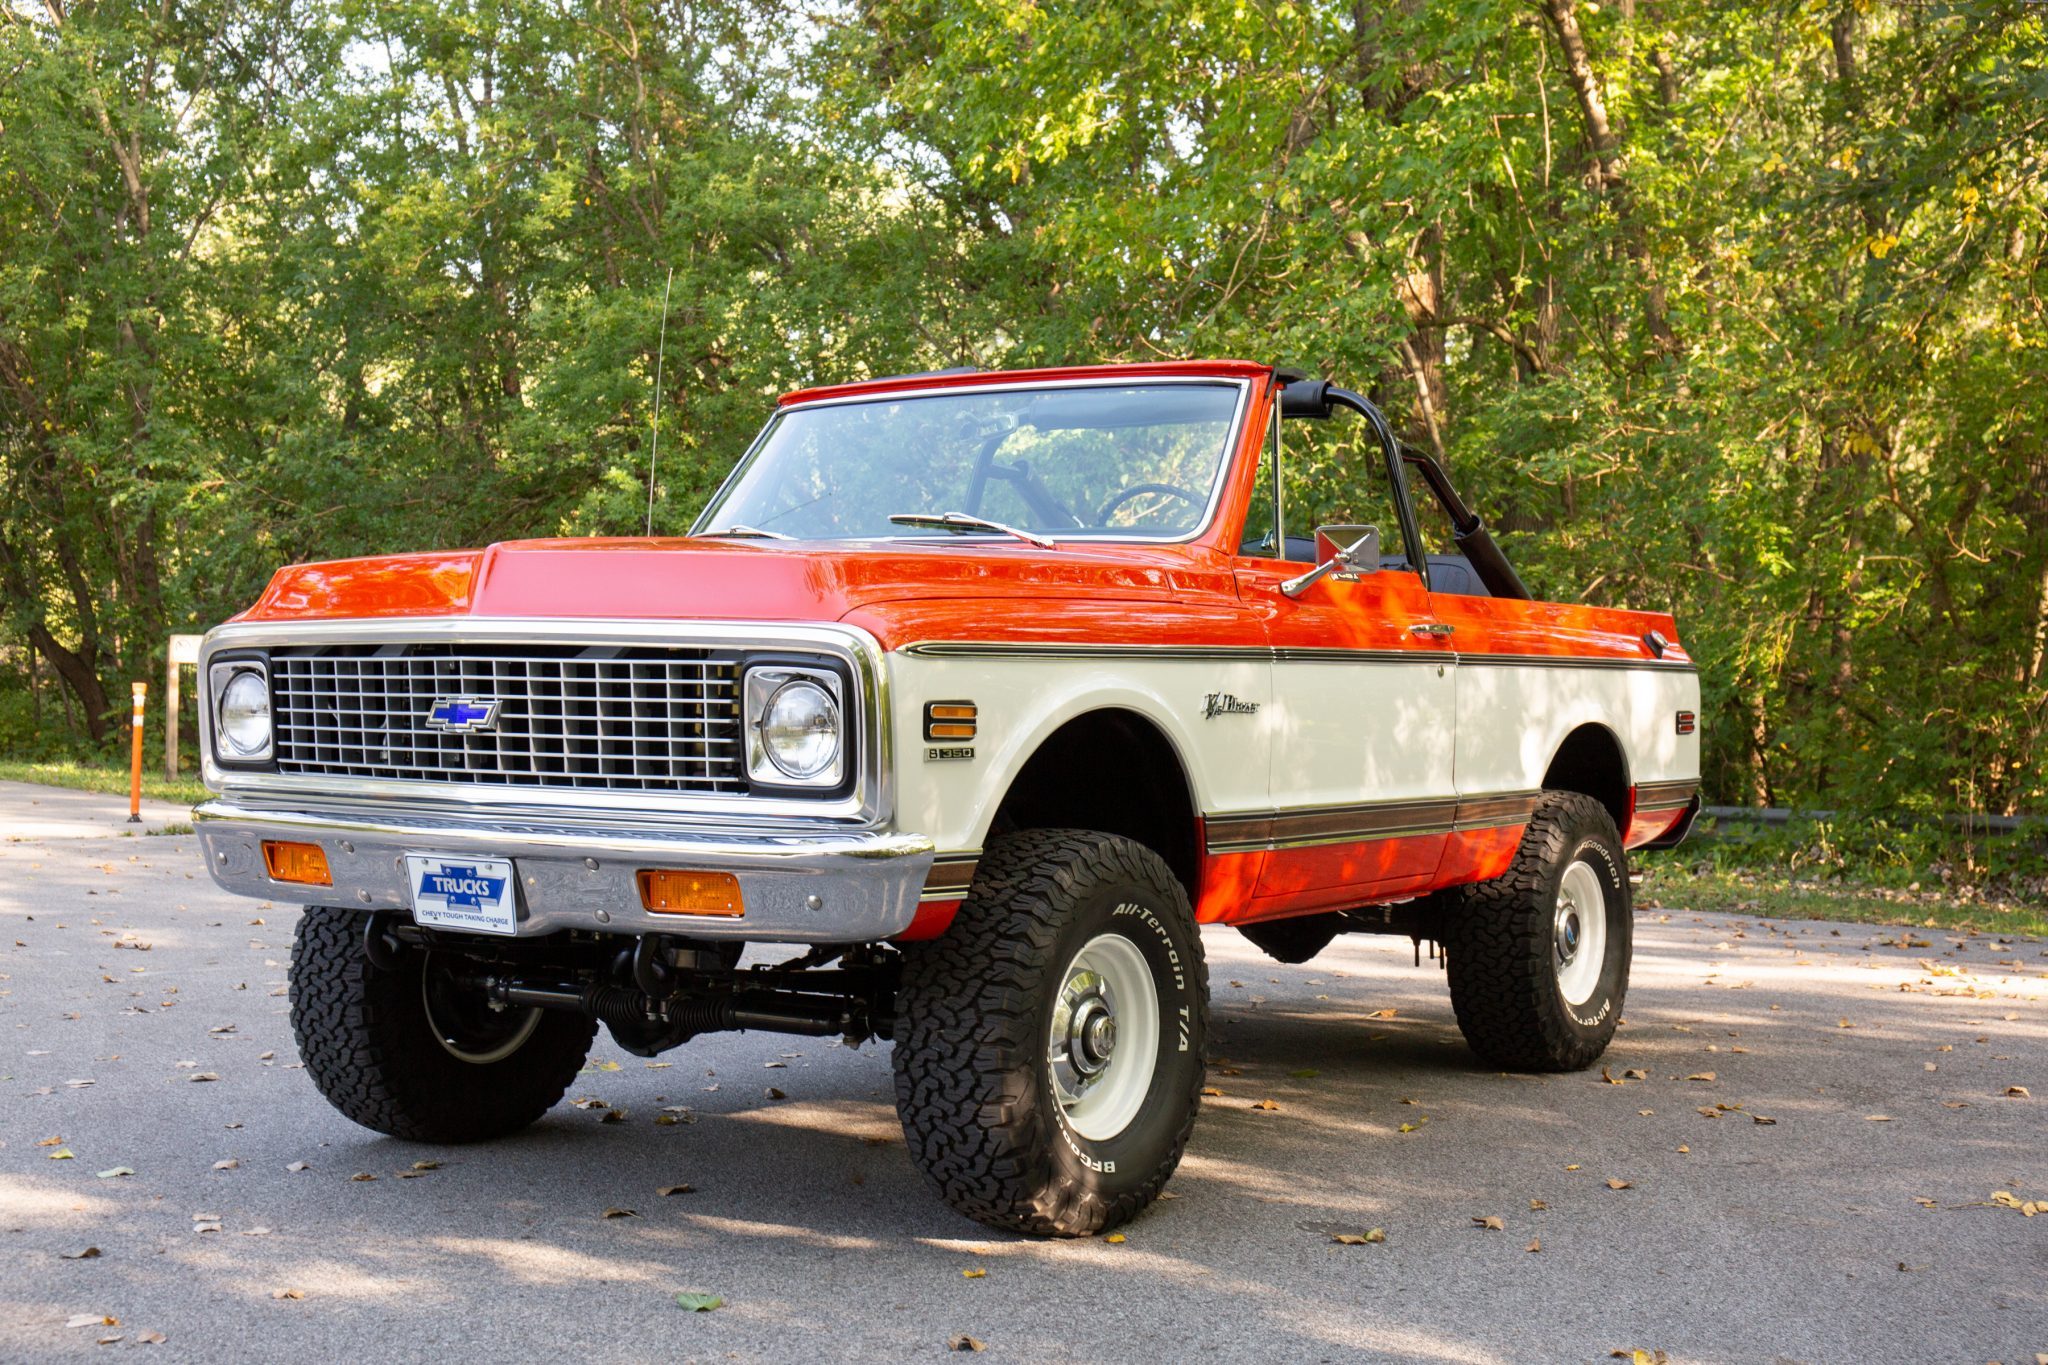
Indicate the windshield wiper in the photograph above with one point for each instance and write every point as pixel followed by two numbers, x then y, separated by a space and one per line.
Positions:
pixel 750 533
pixel 960 523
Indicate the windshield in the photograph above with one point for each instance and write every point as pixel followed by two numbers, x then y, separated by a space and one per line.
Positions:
pixel 1104 460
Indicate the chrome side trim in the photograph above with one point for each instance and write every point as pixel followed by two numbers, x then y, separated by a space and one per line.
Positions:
pixel 1077 649
pixel 951 875
pixel 1654 797
pixel 1367 822
pixel 1574 661
pixel 871 802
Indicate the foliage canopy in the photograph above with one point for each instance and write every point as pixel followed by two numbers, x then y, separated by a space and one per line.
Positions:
pixel 1735 308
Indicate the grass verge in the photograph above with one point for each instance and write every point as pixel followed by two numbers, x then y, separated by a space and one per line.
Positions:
pixel 111 781
pixel 1671 881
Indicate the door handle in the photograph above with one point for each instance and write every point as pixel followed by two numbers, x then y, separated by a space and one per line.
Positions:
pixel 1437 628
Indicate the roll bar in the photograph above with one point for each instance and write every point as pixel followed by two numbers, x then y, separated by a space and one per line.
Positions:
pixel 1317 400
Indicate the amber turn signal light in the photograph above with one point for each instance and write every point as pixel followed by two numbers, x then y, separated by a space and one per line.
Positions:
pixel 304 863
pixel 667 891
pixel 949 720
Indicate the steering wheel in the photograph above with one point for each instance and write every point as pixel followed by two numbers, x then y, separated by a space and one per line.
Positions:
pixel 1138 490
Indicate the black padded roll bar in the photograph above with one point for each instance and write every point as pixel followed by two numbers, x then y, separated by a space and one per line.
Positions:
pixel 1317 400
pixel 1469 532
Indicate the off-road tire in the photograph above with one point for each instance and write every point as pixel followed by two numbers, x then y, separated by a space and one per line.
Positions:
pixel 366 1040
pixel 1500 945
pixel 974 1068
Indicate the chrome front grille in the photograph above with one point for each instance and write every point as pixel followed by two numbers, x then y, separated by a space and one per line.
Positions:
pixel 626 718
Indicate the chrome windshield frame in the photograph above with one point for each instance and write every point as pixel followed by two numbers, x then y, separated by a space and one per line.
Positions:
pixel 1231 440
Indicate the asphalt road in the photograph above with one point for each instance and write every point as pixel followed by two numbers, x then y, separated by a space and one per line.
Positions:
pixel 1831 1234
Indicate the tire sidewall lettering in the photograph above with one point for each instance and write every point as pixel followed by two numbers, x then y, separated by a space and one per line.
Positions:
pixel 1595 853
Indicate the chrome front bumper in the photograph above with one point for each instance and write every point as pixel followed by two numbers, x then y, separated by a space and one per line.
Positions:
pixel 801 882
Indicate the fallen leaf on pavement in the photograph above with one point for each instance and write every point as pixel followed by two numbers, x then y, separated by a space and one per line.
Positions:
pixel 1535 1244
pixel 299 1166
pixel 287 1293
pixel 1764 1119
pixel 1115 1239
pixel 775 1094
pixel 202 1076
pixel 1370 1237
pixel 1621 1184
pixel 255 1232
pixel 51 1142
pixel 151 1338
pixel 362 1175
pixel 1701 1076
pixel 666 1190
pixel 426 1165
pixel 964 1343
pixel 1493 1223
pixel 1266 1105
pixel 1382 1014
pixel 115 1172
pixel 1925 1202
pixel 620 1213
pixel 1211 1090
pixel 613 1116
pixel 1636 1073
pixel 2018 1092
pixel 229 1165
pixel 91 1320
pixel 86 1255
pixel 62 1154
pixel 699 1303
pixel 1877 1118
pixel 974 1274
pixel 607 1066
pixel 1535 1204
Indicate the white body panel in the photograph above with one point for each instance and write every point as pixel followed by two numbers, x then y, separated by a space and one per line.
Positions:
pixel 1024 699
pixel 1512 717
pixel 1346 732
pixel 1326 732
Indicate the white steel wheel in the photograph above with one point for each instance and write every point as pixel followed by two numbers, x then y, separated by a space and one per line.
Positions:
pixel 1579 933
pixel 1103 1046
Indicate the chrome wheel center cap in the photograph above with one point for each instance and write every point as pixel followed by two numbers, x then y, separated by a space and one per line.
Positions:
pixel 1091 1037
pixel 1568 935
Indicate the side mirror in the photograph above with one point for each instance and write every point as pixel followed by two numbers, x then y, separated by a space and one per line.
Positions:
pixel 1355 548
pixel 1344 550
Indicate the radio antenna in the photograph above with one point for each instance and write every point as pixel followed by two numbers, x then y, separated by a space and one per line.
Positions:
pixel 660 353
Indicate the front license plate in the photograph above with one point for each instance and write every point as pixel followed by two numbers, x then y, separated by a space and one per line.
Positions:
pixel 471 894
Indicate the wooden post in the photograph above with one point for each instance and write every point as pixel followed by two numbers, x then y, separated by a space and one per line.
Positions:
pixel 171 719
pixel 135 757
pixel 184 649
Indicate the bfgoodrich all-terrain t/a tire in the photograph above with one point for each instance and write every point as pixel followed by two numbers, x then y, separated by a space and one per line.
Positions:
pixel 1049 1044
pixel 409 1053
pixel 1538 957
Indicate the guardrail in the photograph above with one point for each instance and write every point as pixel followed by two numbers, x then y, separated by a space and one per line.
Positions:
pixel 1968 823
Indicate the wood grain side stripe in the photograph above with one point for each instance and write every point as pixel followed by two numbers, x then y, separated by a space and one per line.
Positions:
pixel 1356 824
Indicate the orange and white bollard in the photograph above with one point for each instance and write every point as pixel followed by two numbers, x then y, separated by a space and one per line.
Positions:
pixel 135 762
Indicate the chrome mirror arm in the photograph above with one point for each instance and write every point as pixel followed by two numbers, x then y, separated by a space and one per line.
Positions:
pixel 1295 587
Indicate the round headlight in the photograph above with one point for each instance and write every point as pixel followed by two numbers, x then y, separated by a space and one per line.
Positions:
pixel 800 729
pixel 245 714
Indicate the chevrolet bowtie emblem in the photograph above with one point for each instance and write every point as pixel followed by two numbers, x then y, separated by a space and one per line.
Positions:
pixel 464 715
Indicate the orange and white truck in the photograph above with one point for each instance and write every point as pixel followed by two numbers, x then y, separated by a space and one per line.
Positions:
pixel 987 691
